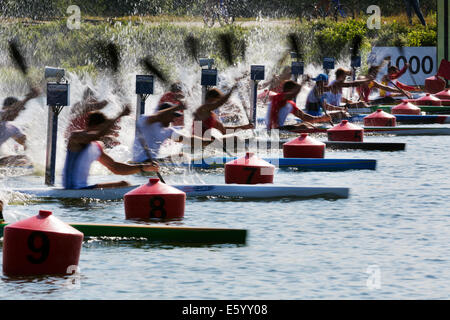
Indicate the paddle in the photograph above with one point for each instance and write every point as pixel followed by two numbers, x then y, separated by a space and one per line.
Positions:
pixel 388 58
pixel 192 46
pixel 18 59
pixel 149 66
pixel 294 41
pixel 110 56
pixel 401 49
pixel 228 49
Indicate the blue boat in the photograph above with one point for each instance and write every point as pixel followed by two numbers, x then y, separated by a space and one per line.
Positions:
pixel 303 164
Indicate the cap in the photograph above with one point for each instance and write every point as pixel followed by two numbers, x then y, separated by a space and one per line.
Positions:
pixel 167 105
pixel 321 77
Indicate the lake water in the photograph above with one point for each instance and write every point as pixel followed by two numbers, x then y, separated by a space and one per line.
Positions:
pixel 389 240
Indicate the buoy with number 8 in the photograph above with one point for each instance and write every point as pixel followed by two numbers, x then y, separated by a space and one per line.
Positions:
pixel 304 147
pixel 346 131
pixel 154 200
pixel 40 245
pixel 249 170
pixel 380 119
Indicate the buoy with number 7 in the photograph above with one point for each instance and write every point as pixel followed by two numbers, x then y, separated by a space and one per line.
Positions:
pixel 154 200
pixel 40 245
pixel 249 170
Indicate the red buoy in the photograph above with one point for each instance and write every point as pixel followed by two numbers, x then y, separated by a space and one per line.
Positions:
pixel 406 108
pixel 346 131
pixel 380 119
pixel 249 170
pixel 434 84
pixel 428 100
pixel 444 96
pixel 154 200
pixel 304 147
pixel 39 245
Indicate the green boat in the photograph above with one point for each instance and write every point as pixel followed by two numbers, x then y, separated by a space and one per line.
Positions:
pixel 172 234
pixel 426 109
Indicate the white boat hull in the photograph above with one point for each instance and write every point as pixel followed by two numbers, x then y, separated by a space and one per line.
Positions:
pixel 266 191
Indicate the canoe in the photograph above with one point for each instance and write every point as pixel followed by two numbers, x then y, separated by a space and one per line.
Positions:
pixel 262 192
pixel 304 164
pixel 426 109
pixel 333 145
pixel 410 119
pixel 399 131
pixel 173 234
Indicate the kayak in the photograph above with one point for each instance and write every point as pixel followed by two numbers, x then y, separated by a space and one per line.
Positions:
pixel 304 164
pixel 426 109
pixel 173 234
pixel 410 119
pixel 399 131
pixel 261 191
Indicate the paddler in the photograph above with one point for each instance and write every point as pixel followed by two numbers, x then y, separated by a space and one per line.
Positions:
pixel 391 80
pixel 274 85
pixel 154 130
pixel 316 101
pixel 366 88
pixel 282 105
pixel 334 94
pixel 79 115
pixel 10 111
pixel 85 146
pixel 176 96
pixel 205 118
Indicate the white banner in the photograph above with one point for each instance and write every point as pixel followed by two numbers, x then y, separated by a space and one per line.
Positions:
pixel 422 62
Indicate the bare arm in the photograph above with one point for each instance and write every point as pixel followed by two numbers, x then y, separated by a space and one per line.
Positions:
pixel 385 88
pixel 306 117
pixel 209 107
pixel 123 168
pixel 22 139
pixel 84 137
pixel 14 110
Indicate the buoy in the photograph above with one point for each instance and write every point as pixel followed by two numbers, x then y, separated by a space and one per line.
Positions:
pixel 428 100
pixel 39 245
pixel 434 84
pixel 444 96
pixel 346 131
pixel 249 170
pixel 380 119
pixel 154 200
pixel 304 147
pixel 406 108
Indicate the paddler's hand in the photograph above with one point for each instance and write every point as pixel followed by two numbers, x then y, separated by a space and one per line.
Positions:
pixel 34 93
pixel 325 118
pixel 125 111
pixel 150 167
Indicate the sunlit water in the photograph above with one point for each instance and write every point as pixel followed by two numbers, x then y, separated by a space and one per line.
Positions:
pixel 396 220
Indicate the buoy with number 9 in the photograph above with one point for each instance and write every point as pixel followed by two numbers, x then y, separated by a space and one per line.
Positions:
pixel 154 200
pixel 40 245
pixel 249 170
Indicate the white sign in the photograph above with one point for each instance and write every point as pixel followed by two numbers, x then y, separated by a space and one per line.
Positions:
pixel 422 62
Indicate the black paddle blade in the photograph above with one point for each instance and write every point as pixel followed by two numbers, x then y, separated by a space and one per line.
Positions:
pixel 226 47
pixel 151 68
pixel 356 45
pixel 108 56
pixel 17 57
pixel 295 44
pixel 192 45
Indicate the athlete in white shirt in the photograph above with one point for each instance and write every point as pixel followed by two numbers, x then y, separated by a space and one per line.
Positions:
pixel 10 111
pixel 154 130
pixel 84 148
